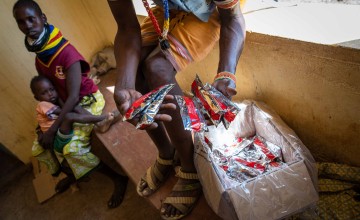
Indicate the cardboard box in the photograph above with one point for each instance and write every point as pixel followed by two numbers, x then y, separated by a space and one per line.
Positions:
pixel 44 183
pixel 272 195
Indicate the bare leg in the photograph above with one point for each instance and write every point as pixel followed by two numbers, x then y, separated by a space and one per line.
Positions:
pixel 65 183
pixel 158 136
pixel 159 71
pixel 120 184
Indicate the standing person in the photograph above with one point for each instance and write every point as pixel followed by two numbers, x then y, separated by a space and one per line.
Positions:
pixel 59 61
pixel 149 55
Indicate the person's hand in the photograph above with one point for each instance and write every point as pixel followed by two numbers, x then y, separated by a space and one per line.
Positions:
pixel 47 139
pixel 226 86
pixel 39 135
pixel 124 98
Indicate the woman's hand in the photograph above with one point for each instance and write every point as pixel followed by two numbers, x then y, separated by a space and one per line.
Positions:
pixel 47 139
pixel 226 86
pixel 124 98
pixel 39 135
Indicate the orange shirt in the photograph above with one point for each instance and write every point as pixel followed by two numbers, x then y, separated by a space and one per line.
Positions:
pixel 45 115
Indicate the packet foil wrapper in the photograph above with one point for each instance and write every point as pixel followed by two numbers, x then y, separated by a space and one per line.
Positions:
pixel 229 108
pixel 246 158
pixel 150 101
pixel 246 169
pixel 227 151
pixel 271 155
pixel 152 109
pixel 192 118
pixel 209 104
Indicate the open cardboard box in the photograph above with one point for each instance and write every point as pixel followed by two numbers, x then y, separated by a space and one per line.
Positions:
pixel 272 195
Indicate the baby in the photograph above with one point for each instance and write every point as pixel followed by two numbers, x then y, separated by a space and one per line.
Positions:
pixel 49 108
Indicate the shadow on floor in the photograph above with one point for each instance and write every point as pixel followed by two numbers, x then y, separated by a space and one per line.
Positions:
pixel 18 201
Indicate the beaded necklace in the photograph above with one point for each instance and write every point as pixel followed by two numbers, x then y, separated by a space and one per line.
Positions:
pixel 164 44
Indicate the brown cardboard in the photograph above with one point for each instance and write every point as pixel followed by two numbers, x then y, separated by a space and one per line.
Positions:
pixel 44 183
pixel 273 195
pixel 36 166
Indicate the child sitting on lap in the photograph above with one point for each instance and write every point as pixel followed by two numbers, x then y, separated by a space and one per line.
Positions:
pixel 48 110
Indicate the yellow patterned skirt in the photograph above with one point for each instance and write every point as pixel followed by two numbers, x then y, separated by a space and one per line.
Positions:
pixel 77 152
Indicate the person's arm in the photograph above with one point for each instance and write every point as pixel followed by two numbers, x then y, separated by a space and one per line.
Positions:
pixel 127 49
pixel 232 37
pixel 77 109
pixel 61 102
pixel 57 111
pixel 39 133
pixel 73 83
pixel 80 110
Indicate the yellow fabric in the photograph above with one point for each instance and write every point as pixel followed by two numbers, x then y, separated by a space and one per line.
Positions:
pixel 339 193
pixel 77 151
pixel 242 3
pixel 196 37
pixel 337 183
pixel 186 31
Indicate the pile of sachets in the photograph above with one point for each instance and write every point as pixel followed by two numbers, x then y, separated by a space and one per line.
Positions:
pixel 246 158
pixel 147 106
pixel 242 159
pixel 208 101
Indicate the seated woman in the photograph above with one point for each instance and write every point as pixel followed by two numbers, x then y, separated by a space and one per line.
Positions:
pixel 65 67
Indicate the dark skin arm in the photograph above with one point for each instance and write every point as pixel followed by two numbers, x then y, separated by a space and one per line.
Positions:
pixel 127 49
pixel 80 110
pixel 61 103
pixel 73 82
pixel 232 37
pixel 57 111
pixel 77 109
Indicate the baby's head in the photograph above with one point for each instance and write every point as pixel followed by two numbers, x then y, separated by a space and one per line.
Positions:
pixel 29 17
pixel 43 89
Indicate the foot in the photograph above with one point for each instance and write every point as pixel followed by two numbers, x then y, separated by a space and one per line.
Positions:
pixel 64 184
pixel 57 173
pixel 155 177
pixel 183 197
pixel 120 184
pixel 105 124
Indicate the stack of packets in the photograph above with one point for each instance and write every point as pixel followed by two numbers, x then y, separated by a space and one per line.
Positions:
pixel 207 101
pixel 147 106
pixel 246 158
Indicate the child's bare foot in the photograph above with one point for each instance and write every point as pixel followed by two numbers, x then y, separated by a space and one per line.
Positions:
pixel 105 124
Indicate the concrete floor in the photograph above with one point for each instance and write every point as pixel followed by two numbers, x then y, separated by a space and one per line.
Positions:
pixel 18 201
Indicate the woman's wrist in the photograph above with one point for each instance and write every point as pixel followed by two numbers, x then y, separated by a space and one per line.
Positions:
pixel 51 130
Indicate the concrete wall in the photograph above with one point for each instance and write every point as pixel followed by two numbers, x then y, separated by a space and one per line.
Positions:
pixel 315 88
